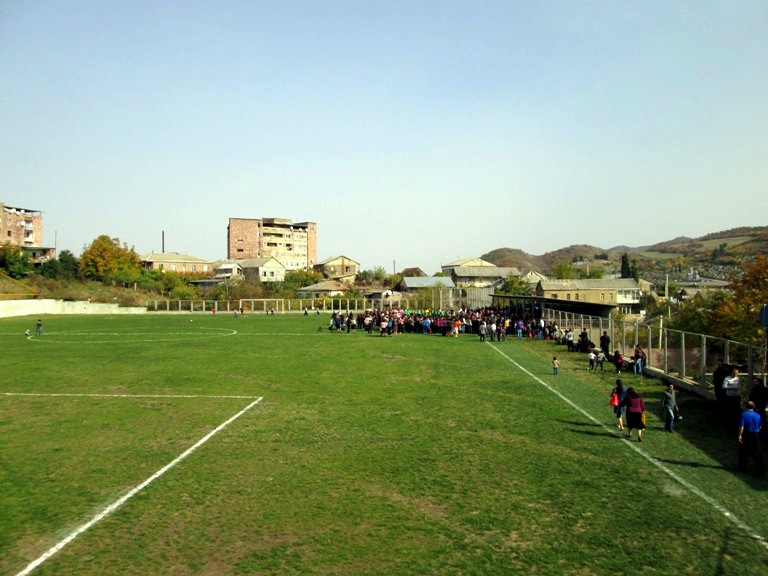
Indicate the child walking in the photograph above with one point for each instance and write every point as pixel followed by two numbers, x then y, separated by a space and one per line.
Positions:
pixel 555 365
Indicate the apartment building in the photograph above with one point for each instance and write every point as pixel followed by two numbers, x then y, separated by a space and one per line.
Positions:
pixel 23 227
pixel 293 244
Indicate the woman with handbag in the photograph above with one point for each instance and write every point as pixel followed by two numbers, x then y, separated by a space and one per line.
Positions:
pixel 635 413
pixel 618 395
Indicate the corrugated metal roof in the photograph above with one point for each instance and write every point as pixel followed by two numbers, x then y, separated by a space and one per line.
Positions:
pixel 172 257
pixel 334 258
pixel 591 284
pixel 485 272
pixel 412 282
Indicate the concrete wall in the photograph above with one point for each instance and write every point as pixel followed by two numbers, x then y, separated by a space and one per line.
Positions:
pixel 10 308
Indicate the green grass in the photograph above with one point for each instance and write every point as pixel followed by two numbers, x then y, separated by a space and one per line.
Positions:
pixel 404 455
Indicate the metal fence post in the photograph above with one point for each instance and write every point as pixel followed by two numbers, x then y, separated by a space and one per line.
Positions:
pixel 682 353
pixel 703 363
pixel 649 356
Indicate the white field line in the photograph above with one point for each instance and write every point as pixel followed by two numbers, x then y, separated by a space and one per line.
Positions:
pixel 118 503
pixel 690 487
pixel 55 395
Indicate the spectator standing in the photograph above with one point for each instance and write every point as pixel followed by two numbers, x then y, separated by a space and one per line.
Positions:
pixel 635 413
pixel 749 440
pixel 669 403
pixel 39 327
pixel 639 359
pixel 732 390
pixel 605 342
pixel 759 395
pixel 721 371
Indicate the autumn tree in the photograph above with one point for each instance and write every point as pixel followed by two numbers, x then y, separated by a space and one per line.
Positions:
pixel 108 260
pixel 738 315
pixel 729 314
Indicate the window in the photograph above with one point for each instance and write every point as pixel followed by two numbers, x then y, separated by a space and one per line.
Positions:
pixel 567 296
pixel 576 296
pixel 602 296
pixel 554 296
pixel 194 267
pixel 173 267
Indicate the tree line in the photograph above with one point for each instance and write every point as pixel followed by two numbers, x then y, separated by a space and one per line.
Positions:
pixel 731 314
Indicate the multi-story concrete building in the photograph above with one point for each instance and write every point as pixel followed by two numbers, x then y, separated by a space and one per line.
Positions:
pixel 294 245
pixel 23 227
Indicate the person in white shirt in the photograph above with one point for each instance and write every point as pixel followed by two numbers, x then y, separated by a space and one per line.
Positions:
pixel 731 387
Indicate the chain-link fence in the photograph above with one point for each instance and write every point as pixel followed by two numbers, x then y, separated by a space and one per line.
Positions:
pixel 686 355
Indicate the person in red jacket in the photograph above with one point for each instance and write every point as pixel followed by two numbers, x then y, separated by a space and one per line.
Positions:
pixel 635 410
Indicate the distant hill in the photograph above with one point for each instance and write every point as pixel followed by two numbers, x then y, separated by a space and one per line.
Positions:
pixel 714 255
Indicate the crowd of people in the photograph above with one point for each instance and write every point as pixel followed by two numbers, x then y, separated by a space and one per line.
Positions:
pixel 496 325
pixel 490 324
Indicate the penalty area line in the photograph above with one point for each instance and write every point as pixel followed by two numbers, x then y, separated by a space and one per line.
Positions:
pixel 118 503
pixel 754 534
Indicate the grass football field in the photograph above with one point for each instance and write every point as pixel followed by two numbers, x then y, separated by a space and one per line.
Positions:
pixel 198 444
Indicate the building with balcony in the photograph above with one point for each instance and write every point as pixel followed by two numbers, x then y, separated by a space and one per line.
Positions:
pixel 293 244
pixel 621 293
pixel 23 227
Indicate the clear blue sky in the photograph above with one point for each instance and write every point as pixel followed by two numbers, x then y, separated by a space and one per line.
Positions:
pixel 413 133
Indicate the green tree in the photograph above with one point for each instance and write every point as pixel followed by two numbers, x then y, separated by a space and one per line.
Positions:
pixel 626 268
pixel 296 279
pixel 70 266
pixel 107 260
pixel 515 286
pixel 51 268
pixel 64 267
pixel 562 270
pixel 594 272
pixel 379 274
pixel 14 261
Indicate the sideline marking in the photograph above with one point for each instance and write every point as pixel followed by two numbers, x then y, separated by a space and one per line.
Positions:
pixel 55 394
pixel 693 489
pixel 83 336
pixel 118 503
